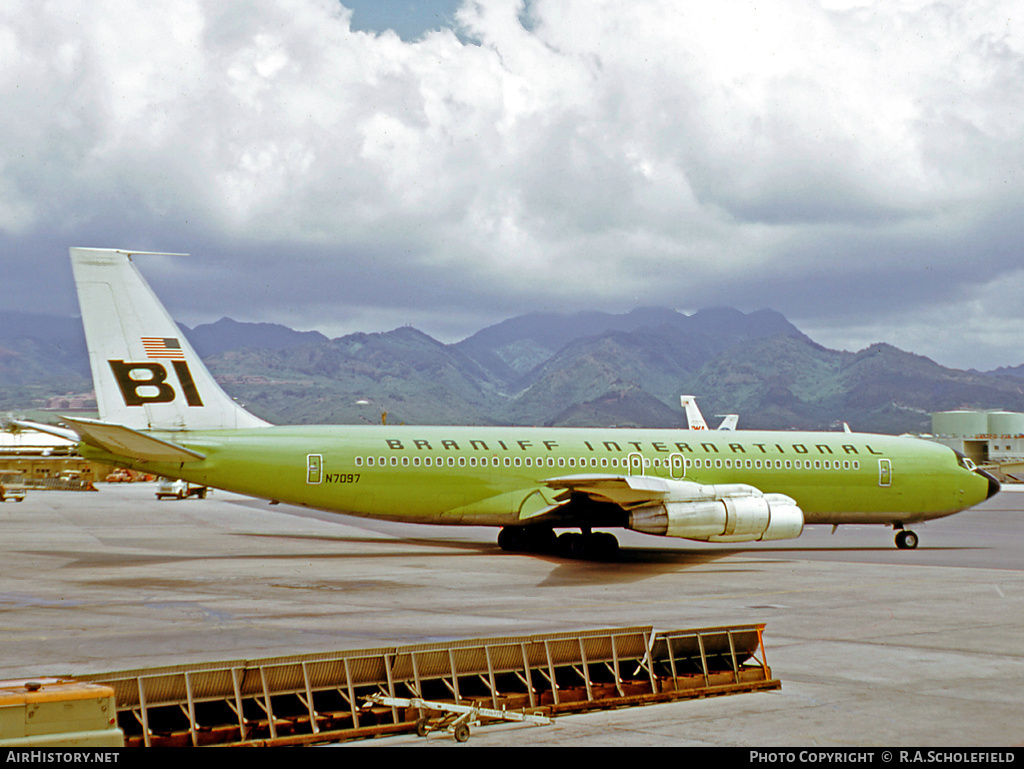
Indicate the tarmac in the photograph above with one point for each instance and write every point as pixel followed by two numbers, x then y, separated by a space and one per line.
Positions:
pixel 875 647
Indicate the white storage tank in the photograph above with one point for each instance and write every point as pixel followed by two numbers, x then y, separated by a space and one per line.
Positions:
pixel 1005 423
pixel 960 423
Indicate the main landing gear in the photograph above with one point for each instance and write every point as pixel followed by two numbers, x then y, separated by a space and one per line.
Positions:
pixel 906 539
pixel 592 546
pixel 595 546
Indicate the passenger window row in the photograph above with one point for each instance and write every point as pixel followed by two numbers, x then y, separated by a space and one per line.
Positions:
pixel 606 462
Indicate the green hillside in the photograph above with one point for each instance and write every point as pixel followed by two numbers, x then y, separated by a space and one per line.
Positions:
pixel 589 369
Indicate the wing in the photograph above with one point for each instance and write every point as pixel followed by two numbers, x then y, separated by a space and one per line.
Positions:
pixel 724 512
pixel 630 491
pixel 589 499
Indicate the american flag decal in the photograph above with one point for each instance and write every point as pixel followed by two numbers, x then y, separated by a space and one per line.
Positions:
pixel 159 347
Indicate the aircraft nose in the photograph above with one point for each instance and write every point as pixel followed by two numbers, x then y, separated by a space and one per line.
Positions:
pixel 993 485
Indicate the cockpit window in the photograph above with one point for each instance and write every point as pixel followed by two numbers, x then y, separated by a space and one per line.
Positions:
pixel 964 462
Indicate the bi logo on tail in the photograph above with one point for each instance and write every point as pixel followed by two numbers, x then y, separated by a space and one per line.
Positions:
pixel 143 382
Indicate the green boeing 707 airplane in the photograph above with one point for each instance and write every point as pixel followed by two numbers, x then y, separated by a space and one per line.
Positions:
pixel 162 412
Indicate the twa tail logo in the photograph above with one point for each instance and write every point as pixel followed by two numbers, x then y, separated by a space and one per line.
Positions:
pixel 145 382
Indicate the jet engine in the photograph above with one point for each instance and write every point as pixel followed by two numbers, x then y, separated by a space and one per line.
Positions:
pixel 723 513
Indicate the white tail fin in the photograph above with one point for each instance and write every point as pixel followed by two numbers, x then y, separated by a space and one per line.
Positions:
pixel 729 422
pixel 694 419
pixel 147 375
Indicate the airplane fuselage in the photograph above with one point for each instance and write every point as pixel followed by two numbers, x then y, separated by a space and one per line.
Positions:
pixel 161 411
pixel 494 476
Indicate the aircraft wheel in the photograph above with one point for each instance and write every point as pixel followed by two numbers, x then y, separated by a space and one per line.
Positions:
pixel 606 546
pixel 541 539
pixel 511 538
pixel 423 727
pixel 598 547
pixel 906 540
pixel 572 545
pixel 461 733
pixel 528 539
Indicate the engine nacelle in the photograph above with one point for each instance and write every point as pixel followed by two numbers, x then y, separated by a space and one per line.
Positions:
pixel 727 519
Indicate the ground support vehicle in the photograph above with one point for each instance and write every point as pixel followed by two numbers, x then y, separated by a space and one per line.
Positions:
pixel 456 719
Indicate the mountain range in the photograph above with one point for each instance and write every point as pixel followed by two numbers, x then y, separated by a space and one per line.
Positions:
pixel 585 369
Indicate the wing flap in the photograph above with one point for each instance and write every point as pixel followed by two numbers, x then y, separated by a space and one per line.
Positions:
pixel 623 490
pixel 632 490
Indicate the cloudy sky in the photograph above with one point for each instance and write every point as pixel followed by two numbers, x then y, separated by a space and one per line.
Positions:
pixel 347 165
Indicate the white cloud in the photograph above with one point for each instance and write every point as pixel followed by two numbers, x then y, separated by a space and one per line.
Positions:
pixel 811 156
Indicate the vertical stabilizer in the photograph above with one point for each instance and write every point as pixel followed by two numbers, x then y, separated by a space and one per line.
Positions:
pixel 146 374
pixel 694 419
pixel 729 422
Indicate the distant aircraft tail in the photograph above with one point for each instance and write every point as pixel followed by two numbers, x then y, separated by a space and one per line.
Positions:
pixel 694 419
pixel 146 374
pixel 729 422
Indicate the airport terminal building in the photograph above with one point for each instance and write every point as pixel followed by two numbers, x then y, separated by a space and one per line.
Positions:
pixel 45 461
pixel 986 437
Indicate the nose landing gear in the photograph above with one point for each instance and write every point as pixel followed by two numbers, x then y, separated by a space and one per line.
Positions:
pixel 906 539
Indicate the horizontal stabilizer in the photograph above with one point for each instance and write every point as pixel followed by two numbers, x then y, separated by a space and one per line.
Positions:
pixel 125 442
pixel 60 432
